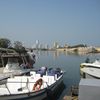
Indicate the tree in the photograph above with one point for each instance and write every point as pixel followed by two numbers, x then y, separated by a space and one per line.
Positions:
pixel 18 46
pixel 5 43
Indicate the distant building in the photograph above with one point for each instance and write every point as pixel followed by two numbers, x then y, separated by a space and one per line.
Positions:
pixel 46 46
pixel 55 45
pixel 37 41
pixel 40 46
pixel 37 44
pixel 66 46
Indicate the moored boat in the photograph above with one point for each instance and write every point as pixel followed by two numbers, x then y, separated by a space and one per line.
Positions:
pixel 87 72
pixel 28 87
pixel 95 64
pixel 17 64
pixel 90 70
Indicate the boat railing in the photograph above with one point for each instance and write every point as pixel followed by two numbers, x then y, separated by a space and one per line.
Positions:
pixel 23 85
pixel 3 78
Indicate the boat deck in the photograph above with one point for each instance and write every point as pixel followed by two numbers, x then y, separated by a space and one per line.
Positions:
pixel 3 77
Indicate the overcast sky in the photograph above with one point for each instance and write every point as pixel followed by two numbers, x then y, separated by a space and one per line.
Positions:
pixel 64 21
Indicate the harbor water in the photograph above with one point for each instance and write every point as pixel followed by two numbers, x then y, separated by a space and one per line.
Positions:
pixel 68 62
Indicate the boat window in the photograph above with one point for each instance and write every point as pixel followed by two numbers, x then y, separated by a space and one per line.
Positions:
pixel 12 60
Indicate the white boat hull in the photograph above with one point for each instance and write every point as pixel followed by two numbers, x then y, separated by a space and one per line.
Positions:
pixel 90 69
pixel 39 95
pixel 28 96
pixel 87 72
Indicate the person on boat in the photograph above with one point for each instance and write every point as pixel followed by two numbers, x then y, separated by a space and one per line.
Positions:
pixel 38 84
pixel 23 65
pixel 31 59
pixel 87 60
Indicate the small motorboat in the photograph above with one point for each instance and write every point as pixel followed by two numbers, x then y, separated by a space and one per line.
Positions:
pixel 37 86
pixel 90 69
pixel 17 64
pixel 13 67
pixel 88 72
pixel 95 64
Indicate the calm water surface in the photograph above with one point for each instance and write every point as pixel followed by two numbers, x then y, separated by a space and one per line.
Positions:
pixel 67 62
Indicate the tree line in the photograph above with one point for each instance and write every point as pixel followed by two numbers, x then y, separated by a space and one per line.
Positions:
pixel 17 45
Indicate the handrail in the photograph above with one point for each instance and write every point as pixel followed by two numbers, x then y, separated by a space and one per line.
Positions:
pixel 4 78
pixel 21 88
pixel 8 89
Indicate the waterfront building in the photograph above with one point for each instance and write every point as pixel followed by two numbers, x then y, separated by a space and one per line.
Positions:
pixel 40 46
pixel 66 46
pixel 55 45
pixel 37 44
pixel 46 46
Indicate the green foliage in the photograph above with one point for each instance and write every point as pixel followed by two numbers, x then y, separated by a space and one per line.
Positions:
pixel 4 43
pixel 79 45
pixel 19 47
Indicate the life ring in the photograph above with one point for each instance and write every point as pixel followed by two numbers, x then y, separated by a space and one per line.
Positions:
pixel 38 84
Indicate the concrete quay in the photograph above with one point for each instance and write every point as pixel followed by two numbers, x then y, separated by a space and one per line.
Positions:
pixel 83 50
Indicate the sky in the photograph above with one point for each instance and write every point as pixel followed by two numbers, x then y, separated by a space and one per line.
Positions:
pixel 69 22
